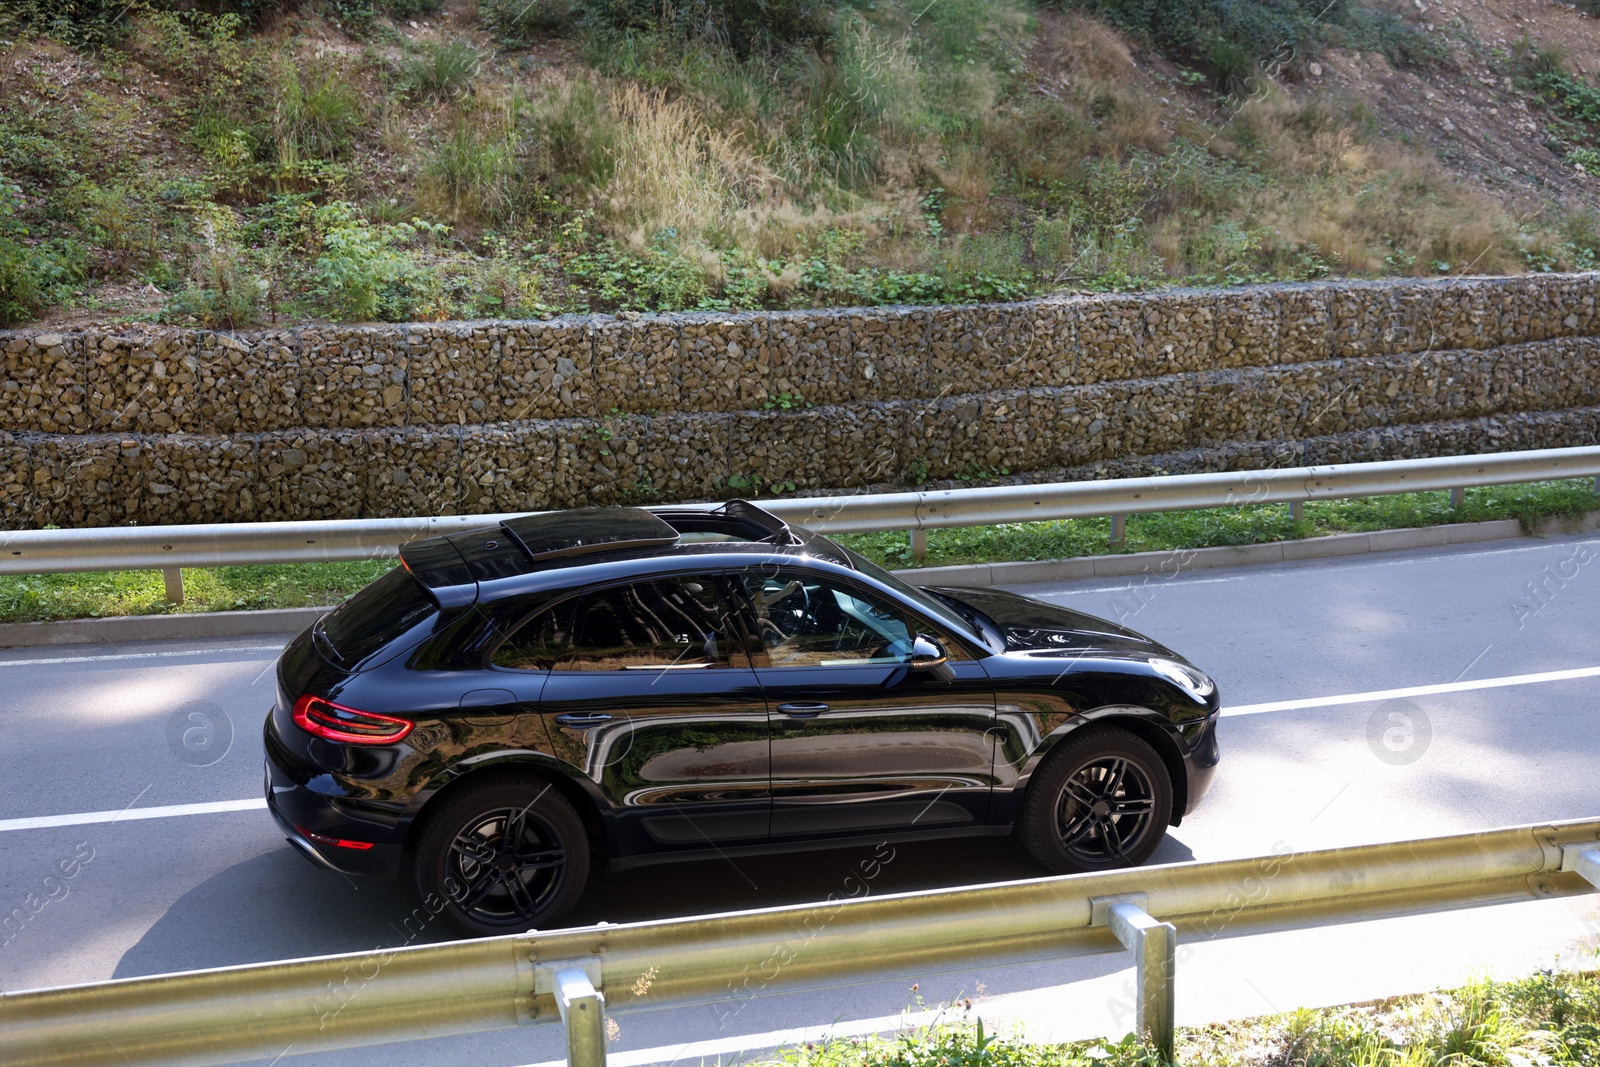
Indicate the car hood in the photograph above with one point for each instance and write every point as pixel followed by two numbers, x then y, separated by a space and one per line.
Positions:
pixel 1031 625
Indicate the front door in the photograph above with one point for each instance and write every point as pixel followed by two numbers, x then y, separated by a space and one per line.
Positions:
pixel 860 741
pixel 651 693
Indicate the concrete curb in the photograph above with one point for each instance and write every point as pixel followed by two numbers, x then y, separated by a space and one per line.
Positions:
pixel 284 621
pixel 113 631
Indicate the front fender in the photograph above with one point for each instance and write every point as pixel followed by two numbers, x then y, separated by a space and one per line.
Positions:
pixel 1150 726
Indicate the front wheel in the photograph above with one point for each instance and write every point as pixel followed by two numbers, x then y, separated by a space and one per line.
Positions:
pixel 1101 801
pixel 504 855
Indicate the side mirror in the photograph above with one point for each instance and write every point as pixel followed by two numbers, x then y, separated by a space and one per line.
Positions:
pixel 928 655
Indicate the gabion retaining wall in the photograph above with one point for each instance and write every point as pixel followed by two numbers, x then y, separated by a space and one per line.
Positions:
pixel 152 425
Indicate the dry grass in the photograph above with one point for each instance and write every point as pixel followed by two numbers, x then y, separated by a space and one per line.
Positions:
pixel 674 170
pixel 1370 207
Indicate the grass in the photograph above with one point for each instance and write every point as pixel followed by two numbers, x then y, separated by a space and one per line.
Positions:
pixel 1214 527
pixel 42 598
pixel 1549 1019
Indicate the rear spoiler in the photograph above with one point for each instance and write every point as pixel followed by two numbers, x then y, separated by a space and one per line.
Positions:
pixel 777 530
pixel 440 569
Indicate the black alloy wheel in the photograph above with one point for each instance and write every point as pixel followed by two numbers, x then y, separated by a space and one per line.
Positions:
pixel 503 856
pixel 1101 801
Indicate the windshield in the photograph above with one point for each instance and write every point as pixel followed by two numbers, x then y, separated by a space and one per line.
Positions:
pixel 934 607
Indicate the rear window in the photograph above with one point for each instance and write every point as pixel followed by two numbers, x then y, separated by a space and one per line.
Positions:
pixel 366 623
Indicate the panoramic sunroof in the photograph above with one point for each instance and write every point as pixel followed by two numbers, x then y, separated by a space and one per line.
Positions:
pixel 572 533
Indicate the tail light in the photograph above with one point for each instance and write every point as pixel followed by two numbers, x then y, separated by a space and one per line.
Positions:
pixel 335 722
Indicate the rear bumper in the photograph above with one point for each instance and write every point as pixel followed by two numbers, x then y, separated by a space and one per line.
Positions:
pixel 321 828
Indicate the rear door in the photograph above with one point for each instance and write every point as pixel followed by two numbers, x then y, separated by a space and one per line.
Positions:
pixel 651 693
pixel 860 742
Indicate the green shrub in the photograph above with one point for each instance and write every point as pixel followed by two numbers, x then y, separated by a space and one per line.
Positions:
pixel 254 12
pixel 519 22
pixel 89 25
pixel 746 26
pixel 660 278
pixel 125 225
pixel 1381 28
pixel 34 275
pixel 410 9
pixel 365 272
pixel 225 293
pixel 1229 38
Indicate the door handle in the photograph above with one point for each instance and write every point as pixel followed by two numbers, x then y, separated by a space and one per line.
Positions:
pixel 583 721
pixel 802 711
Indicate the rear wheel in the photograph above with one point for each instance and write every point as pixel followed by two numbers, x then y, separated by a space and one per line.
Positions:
pixel 1102 800
pixel 504 855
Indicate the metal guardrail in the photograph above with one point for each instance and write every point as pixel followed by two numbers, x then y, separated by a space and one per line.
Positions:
pixel 336 1002
pixel 169 548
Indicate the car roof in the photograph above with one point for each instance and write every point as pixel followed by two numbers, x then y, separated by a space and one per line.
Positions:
pixel 553 550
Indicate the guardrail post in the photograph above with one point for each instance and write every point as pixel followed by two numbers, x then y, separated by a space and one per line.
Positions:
pixel 1154 945
pixel 173 576
pixel 919 544
pixel 1119 530
pixel 583 1012
pixel 1458 498
pixel 1585 861
pixel 1297 510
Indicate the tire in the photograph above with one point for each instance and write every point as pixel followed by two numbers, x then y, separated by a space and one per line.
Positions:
pixel 1101 801
pixel 461 857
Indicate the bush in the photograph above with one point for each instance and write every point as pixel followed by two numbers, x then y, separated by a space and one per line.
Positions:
pixel 1229 38
pixel 365 272
pixel 746 26
pixel 85 24
pixel 32 276
pixel 224 294
pixel 518 22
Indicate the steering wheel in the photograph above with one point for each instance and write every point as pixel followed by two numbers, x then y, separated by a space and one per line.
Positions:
pixel 769 596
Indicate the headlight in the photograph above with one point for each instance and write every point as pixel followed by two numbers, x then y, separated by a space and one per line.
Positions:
pixel 1185 677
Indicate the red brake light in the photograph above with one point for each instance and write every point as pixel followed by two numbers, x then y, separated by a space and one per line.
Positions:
pixel 335 722
pixel 324 839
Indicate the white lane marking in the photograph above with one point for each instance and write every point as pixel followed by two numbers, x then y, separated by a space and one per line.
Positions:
pixel 1415 691
pixel 170 811
pixel 252 804
pixel 772 1039
pixel 173 653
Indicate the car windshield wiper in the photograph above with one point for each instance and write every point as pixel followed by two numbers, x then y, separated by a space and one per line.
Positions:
pixel 981 624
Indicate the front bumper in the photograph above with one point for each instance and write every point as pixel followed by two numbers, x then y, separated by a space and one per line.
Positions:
pixel 1200 763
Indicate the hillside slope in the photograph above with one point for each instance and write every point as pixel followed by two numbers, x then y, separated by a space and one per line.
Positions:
pixel 274 161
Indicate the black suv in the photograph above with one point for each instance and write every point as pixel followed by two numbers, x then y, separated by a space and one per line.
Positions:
pixel 516 704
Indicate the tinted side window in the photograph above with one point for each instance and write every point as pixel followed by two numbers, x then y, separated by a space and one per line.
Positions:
pixel 540 642
pixel 809 621
pixel 677 622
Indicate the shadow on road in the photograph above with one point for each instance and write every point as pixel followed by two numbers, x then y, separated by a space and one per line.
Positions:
pixel 276 906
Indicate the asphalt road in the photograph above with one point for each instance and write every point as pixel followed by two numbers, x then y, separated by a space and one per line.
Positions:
pixel 99 732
